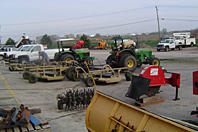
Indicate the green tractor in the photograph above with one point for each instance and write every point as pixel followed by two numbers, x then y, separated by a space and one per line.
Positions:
pixel 80 55
pixel 131 58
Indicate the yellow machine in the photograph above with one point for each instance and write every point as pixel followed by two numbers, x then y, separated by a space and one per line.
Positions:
pixel 102 44
pixel 107 114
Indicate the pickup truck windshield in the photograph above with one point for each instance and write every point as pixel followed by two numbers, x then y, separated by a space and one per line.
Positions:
pixel 165 41
pixel 28 48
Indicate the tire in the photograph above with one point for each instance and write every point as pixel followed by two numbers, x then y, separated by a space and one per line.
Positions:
pixel 130 62
pixel 11 68
pixel 109 60
pixel 89 62
pixel 67 57
pixel 192 44
pixel 158 49
pixel 26 75
pixel 180 48
pixel 75 78
pixel 166 49
pixel 32 78
pixel 132 47
pixel 128 76
pixel 69 72
pixel 23 60
pixel 60 105
pixel 155 61
pixel 121 61
pixel 89 82
pixel 139 64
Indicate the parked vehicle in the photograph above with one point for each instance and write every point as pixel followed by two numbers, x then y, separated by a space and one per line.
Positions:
pixel 168 44
pixel 4 49
pixel 184 38
pixel 31 54
pixel 131 58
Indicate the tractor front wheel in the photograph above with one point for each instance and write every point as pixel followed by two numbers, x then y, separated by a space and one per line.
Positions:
pixel 130 62
pixel 155 62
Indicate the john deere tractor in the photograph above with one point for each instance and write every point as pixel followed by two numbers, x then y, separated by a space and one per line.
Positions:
pixel 131 58
pixel 66 53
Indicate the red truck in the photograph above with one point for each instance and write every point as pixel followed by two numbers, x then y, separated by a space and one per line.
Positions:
pixel 79 45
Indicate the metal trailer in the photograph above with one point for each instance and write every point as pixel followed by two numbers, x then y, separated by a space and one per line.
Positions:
pixel 106 75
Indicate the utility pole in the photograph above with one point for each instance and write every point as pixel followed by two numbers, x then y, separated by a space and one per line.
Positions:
pixel 158 22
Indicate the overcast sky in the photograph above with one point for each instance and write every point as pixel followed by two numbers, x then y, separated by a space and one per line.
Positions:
pixel 39 17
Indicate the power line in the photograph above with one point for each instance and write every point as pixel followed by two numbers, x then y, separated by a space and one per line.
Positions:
pixel 174 19
pixel 103 14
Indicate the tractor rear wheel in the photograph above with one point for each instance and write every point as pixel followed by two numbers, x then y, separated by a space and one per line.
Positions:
pixel 130 62
pixel 32 78
pixel 121 61
pixel 89 82
pixel 155 61
pixel 67 57
pixel 26 75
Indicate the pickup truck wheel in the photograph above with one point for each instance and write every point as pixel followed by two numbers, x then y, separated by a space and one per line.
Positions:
pixel 23 60
pixel 167 49
pixel 67 58
pixel 192 44
pixel 69 72
pixel 180 47
pixel 130 62
pixel 32 78
pixel 89 82
pixel 26 75
pixel 155 61
pixel 158 49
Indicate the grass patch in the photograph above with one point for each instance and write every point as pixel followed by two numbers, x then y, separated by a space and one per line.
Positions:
pixel 151 43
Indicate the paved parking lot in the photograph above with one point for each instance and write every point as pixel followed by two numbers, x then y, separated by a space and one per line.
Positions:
pixel 15 91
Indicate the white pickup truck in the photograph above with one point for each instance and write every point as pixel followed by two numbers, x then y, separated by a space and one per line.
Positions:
pixel 31 54
pixel 168 44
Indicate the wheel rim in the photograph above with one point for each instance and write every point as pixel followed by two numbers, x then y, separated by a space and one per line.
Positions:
pixel 155 63
pixel 68 59
pixel 130 63
pixel 90 61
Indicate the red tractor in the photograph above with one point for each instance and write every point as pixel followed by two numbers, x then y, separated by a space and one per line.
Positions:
pixel 79 45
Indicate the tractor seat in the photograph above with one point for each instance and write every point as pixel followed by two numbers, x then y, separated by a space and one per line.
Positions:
pixel 105 75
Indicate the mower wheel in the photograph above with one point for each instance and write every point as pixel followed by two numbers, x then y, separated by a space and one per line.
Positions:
pixel 128 76
pixel 11 68
pixel 69 72
pixel 60 105
pixel 75 77
pixel 121 61
pixel 32 78
pixel 67 57
pixel 130 62
pixel 26 74
pixel 139 64
pixel 155 61
pixel 89 82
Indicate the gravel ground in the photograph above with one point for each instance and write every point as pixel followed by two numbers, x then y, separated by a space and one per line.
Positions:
pixel 15 90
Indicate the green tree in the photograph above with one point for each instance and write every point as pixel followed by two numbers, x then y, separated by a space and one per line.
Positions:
pixel 87 42
pixel 117 37
pixel 97 35
pixel 10 42
pixel 46 40
pixel 164 31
